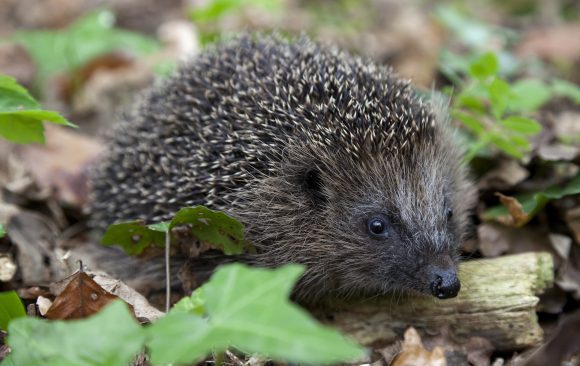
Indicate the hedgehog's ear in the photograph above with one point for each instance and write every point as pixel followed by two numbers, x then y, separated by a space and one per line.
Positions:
pixel 314 186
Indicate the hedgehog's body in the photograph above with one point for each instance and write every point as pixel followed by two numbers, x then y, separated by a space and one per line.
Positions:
pixel 329 161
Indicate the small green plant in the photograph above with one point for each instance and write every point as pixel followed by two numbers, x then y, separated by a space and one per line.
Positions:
pixel 2 231
pixel 495 111
pixel 21 116
pixel 240 307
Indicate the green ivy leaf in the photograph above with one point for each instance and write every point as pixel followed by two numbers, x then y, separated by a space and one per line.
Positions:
pixel 11 308
pixel 248 309
pixel 111 337
pixel 214 227
pixel 526 126
pixel 532 203
pixel 133 236
pixel 217 228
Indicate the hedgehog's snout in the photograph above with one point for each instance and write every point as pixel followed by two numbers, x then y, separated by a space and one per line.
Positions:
pixel 444 282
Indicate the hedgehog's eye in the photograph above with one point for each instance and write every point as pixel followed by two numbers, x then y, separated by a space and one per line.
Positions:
pixel 449 214
pixel 377 227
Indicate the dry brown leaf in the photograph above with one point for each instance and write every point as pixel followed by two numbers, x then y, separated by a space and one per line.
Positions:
pixel 414 354
pixel 35 237
pixel 518 216
pixel 496 239
pixel 61 165
pixel 141 306
pixel 505 175
pixel 82 297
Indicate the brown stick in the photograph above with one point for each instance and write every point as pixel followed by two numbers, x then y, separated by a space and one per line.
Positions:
pixel 497 301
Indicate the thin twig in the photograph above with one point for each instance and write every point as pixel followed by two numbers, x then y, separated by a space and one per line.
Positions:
pixel 167 270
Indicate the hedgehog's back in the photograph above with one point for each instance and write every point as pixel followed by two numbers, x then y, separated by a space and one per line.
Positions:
pixel 228 115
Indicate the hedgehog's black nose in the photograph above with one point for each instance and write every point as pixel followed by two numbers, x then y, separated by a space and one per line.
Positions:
pixel 445 283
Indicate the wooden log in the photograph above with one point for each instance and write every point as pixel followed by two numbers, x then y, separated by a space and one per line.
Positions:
pixel 497 301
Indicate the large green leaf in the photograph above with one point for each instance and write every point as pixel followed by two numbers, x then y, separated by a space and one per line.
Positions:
pixel 11 308
pixel 214 227
pixel 532 203
pixel 249 309
pixel 111 337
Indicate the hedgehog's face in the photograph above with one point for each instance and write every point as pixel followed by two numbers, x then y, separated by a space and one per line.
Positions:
pixel 395 222
pixel 363 224
pixel 369 226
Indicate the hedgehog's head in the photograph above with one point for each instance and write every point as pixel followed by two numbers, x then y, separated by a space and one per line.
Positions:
pixel 369 207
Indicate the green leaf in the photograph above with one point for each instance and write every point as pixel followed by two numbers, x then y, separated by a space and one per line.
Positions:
pixel 2 231
pixel 528 95
pixel 505 145
pixel 13 97
pixel 500 95
pixel 195 303
pixel 484 66
pixel 522 125
pixel 20 115
pixel 217 228
pixel 111 337
pixel 567 89
pixel 22 130
pixel 11 308
pixel 249 309
pixel 470 122
pixel 532 203
pixel 89 37
pixel 214 227
pixel 133 236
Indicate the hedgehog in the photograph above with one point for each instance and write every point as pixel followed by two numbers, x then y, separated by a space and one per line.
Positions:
pixel 328 159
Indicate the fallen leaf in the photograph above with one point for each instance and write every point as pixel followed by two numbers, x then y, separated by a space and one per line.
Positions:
pixel 558 152
pixel 507 174
pixel 141 306
pixel 81 298
pixel 496 239
pixel 35 237
pixel 518 216
pixel 61 164
pixel 413 353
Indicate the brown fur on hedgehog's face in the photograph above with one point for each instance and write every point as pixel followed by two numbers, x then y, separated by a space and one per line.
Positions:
pixel 371 223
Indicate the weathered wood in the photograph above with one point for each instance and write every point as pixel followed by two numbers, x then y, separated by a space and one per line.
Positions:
pixel 497 301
